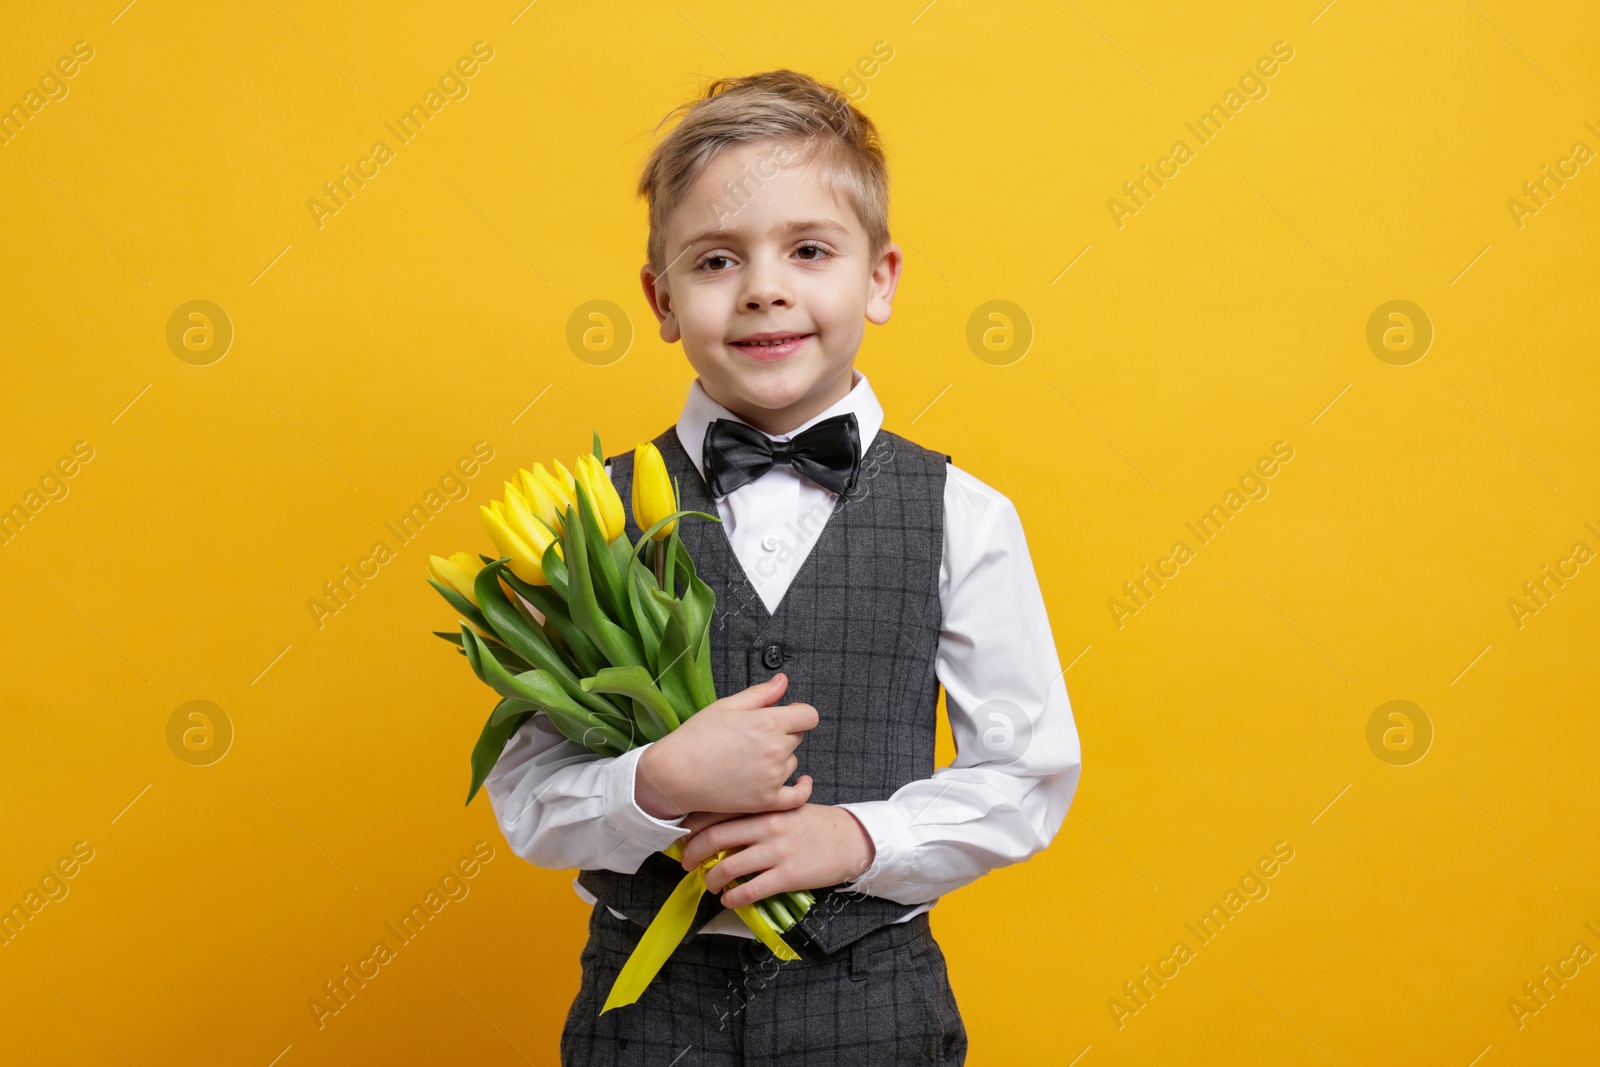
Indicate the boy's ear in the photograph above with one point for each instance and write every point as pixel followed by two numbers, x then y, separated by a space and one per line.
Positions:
pixel 881 285
pixel 660 300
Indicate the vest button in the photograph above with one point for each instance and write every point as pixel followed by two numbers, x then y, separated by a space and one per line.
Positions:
pixel 773 656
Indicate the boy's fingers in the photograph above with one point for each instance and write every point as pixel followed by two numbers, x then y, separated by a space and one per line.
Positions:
pixel 760 695
pixel 748 892
pixel 796 718
pixel 714 838
pixel 747 863
pixel 700 820
pixel 793 796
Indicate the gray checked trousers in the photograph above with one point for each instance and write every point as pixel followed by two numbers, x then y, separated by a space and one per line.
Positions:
pixel 725 1001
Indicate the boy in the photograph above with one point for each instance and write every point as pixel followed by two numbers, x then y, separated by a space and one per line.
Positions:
pixel 854 572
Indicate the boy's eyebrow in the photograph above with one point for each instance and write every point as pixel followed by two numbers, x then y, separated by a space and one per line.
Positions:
pixel 826 225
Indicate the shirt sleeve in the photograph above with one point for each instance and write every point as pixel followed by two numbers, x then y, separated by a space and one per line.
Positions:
pixel 1005 795
pixel 563 806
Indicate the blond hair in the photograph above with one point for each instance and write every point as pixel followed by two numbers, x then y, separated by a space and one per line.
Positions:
pixel 781 106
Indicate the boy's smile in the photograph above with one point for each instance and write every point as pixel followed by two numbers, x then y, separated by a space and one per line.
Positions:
pixel 770 285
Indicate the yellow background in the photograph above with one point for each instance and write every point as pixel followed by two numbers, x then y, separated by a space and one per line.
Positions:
pixel 430 313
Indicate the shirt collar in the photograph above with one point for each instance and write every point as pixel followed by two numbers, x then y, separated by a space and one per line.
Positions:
pixel 700 410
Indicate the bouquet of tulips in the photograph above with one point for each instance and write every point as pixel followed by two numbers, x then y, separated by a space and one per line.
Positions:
pixel 573 622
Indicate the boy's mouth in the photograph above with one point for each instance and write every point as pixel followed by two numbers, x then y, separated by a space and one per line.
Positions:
pixel 771 346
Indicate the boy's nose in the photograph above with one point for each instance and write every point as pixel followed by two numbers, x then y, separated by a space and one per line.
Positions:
pixel 765 287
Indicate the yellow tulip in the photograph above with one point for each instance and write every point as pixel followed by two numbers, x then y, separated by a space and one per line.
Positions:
pixel 524 547
pixel 540 497
pixel 653 496
pixel 520 517
pixel 566 479
pixel 591 474
pixel 458 572
pixel 563 484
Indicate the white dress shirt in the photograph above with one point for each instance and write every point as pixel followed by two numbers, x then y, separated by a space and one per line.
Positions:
pixel 562 806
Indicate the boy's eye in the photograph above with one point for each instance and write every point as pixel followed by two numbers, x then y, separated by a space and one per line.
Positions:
pixel 716 263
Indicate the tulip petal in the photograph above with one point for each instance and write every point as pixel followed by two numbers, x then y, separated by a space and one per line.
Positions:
pixel 524 563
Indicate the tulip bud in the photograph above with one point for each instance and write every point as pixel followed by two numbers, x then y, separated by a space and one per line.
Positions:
pixel 591 474
pixel 565 477
pixel 526 554
pixel 542 497
pixel 653 496
pixel 458 572
pixel 524 523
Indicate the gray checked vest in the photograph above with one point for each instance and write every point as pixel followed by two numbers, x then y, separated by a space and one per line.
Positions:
pixel 856 632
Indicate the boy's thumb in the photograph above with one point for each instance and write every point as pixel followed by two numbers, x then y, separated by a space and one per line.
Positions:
pixel 793 796
pixel 762 694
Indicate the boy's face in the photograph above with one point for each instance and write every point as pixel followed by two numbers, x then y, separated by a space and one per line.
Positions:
pixel 760 250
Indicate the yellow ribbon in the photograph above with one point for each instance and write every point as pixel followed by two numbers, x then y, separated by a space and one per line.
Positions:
pixel 666 931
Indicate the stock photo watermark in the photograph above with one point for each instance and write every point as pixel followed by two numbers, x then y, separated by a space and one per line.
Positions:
pixel 1539 991
pixel 1538 192
pixel 199 332
pixel 828 907
pixel 341 590
pixel 199 733
pixel 1399 733
pixel 999 332
pixel 453 886
pixel 1138 592
pixel 1252 85
pixel 53 86
pixel 54 886
pixel 1538 591
pixel 854 81
pixel 1399 332
pixel 53 486
pixel 452 86
pixel 1137 993
pixel 599 332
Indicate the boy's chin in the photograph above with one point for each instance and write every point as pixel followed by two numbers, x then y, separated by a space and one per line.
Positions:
pixel 774 389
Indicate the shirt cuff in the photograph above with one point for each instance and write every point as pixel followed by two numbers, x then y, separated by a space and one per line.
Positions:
pixel 622 811
pixel 892 843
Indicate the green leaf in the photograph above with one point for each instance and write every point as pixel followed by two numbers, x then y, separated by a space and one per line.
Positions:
pixel 501 652
pixel 497 731
pixel 608 587
pixel 542 690
pixel 460 603
pixel 598 454
pixel 622 552
pixel 699 602
pixel 661 522
pixel 509 707
pixel 555 569
pixel 525 638
pixel 676 658
pixel 635 682
pixel 650 618
pixel 619 646
pixel 557 617
pixel 703 686
pixel 669 571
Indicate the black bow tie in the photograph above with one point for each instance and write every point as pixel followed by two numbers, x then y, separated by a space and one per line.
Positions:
pixel 828 453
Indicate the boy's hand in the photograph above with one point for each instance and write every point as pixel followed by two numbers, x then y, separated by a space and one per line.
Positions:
pixel 808 847
pixel 732 755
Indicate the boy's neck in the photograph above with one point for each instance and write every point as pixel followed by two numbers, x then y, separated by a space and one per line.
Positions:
pixel 786 420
